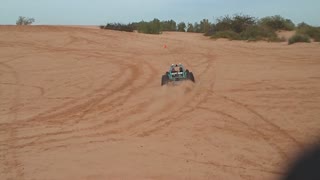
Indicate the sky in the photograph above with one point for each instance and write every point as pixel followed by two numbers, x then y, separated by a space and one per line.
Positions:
pixel 97 12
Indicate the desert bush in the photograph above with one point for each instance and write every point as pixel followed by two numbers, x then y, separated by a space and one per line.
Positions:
pixel 182 27
pixel 231 35
pixel 152 27
pixel 24 21
pixel 196 27
pixel 202 27
pixel 277 23
pixel 118 27
pixel 252 33
pixel 255 33
pixel 190 27
pixel 240 23
pixel 236 23
pixel 313 32
pixel 303 25
pixel 205 25
pixel 211 31
pixel 144 27
pixel 223 24
pixel 245 27
pixel 299 38
pixel 170 25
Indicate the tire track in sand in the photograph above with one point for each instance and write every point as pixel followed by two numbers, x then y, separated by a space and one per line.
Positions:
pixel 253 129
pixel 53 115
pixel 273 128
pixel 198 96
pixel 93 130
pixel 13 167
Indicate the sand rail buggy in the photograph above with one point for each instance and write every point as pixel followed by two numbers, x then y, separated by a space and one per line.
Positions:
pixel 177 72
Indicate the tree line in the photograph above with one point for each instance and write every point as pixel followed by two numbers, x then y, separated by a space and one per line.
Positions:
pixel 157 27
pixel 236 23
pixel 236 27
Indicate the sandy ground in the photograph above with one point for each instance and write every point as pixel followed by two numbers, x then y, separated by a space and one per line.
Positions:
pixel 286 34
pixel 81 103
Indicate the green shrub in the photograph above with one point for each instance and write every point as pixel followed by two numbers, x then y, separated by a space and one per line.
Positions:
pixel 303 25
pixel 190 27
pixel 299 38
pixel 152 27
pixel 226 34
pixel 251 33
pixel 313 32
pixel 236 23
pixel 204 26
pixel 241 23
pixel 118 27
pixel 258 33
pixel 223 24
pixel 24 21
pixel 196 27
pixel 277 23
pixel 170 25
pixel 244 27
pixel 182 27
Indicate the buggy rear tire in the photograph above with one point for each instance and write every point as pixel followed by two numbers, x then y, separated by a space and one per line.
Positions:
pixel 191 77
pixel 164 80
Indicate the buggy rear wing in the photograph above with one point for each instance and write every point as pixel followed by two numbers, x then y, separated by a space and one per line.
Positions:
pixel 180 73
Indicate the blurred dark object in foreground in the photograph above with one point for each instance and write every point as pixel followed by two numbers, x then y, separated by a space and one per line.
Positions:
pixel 307 165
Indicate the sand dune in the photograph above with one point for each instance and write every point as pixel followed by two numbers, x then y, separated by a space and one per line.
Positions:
pixel 81 103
